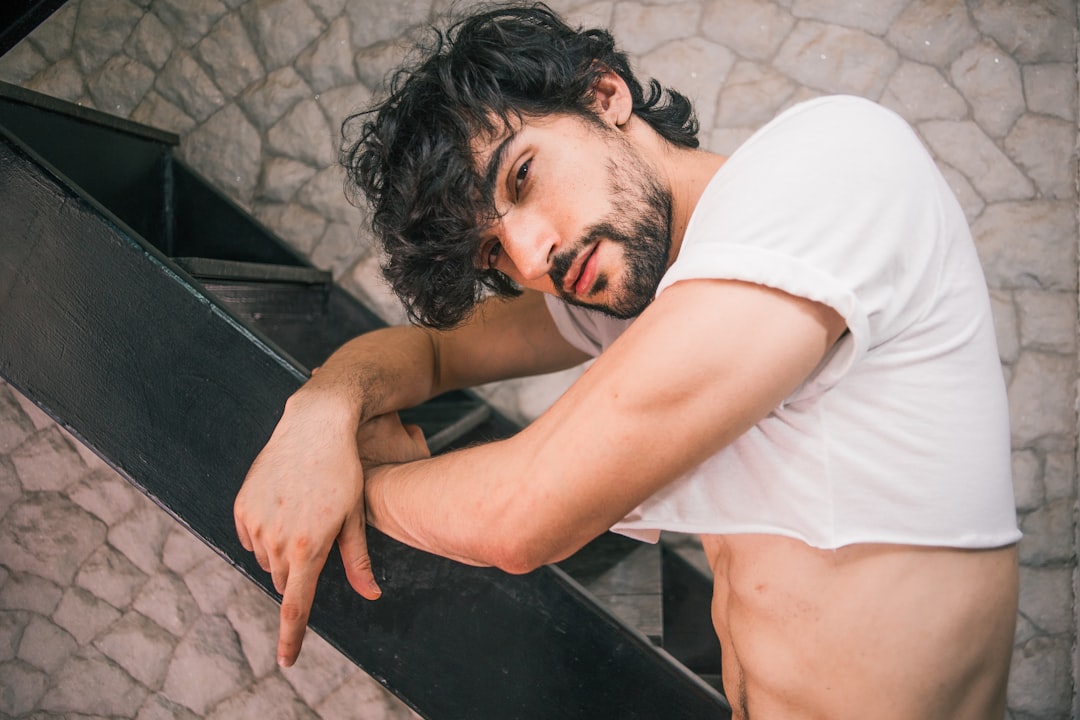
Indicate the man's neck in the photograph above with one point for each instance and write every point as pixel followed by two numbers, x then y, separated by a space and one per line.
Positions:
pixel 686 170
pixel 688 173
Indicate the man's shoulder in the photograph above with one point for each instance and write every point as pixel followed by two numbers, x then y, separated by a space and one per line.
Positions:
pixel 834 108
pixel 817 156
pixel 829 124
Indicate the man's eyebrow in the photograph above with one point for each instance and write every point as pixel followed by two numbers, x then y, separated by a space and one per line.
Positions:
pixel 495 162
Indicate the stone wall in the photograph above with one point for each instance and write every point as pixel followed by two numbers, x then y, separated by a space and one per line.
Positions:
pixel 257 89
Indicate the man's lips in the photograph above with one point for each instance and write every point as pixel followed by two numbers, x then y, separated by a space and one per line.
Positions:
pixel 582 273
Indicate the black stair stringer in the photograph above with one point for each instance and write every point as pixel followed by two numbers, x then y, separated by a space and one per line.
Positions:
pixel 102 332
pixel 18 18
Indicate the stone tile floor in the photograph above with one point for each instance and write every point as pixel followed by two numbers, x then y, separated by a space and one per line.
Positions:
pixel 110 608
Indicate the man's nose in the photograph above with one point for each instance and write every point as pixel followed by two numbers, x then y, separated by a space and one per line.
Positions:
pixel 531 243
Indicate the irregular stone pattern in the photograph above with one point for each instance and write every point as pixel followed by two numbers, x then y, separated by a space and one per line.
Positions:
pixel 108 608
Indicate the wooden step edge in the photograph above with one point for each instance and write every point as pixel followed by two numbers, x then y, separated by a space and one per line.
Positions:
pixel 235 270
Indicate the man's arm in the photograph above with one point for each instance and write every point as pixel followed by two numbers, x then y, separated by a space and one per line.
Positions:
pixel 305 489
pixel 703 364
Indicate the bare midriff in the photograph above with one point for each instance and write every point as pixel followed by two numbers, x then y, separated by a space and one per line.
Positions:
pixel 864 631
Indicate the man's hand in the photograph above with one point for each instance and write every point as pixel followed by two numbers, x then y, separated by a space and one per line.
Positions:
pixel 304 490
pixel 385 440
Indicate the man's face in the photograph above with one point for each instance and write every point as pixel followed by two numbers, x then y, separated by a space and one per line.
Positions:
pixel 582 215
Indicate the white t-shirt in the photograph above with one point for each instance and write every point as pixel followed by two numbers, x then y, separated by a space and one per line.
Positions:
pixel 902 434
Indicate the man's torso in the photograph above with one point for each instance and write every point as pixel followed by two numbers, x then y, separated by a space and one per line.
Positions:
pixel 901 434
pixel 865 631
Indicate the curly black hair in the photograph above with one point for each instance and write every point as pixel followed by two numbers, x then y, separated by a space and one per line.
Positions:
pixel 415 159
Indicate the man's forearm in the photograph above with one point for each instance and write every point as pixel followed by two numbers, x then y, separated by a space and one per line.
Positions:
pixel 379 372
pixel 454 506
pixel 403 501
pixel 400 367
pixel 486 505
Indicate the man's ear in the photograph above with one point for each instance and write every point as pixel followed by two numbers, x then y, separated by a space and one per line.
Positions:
pixel 611 99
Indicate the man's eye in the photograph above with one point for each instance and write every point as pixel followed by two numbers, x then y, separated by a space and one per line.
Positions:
pixel 522 175
pixel 491 257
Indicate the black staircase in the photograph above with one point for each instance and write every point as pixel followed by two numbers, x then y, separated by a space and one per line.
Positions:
pixel 165 328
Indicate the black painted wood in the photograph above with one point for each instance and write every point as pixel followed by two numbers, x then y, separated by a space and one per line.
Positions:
pixel 122 165
pixel 299 311
pixel 128 168
pixel 687 611
pixel 209 225
pixel 108 337
pixel 208 268
pixel 18 18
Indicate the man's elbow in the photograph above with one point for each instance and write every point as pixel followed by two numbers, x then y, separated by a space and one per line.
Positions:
pixel 522 531
pixel 517 556
pixel 521 551
pixel 518 566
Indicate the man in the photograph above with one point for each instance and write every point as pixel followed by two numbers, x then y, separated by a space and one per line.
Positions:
pixel 795 359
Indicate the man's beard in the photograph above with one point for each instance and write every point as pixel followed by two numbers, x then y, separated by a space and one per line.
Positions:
pixel 640 223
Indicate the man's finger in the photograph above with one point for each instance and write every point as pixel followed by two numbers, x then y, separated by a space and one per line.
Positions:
pixel 280 579
pixel 262 558
pixel 241 531
pixel 417 436
pixel 354 555
pixel 295 609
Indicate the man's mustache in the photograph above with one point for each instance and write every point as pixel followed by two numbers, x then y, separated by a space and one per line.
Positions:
pixel 561 263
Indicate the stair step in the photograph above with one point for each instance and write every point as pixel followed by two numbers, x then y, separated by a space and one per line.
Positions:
pixel 663 590
pixel 261 291
pixel 297 308
pixel 688 547
pixel 624 575
pixel 238 271
pixel 689 634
